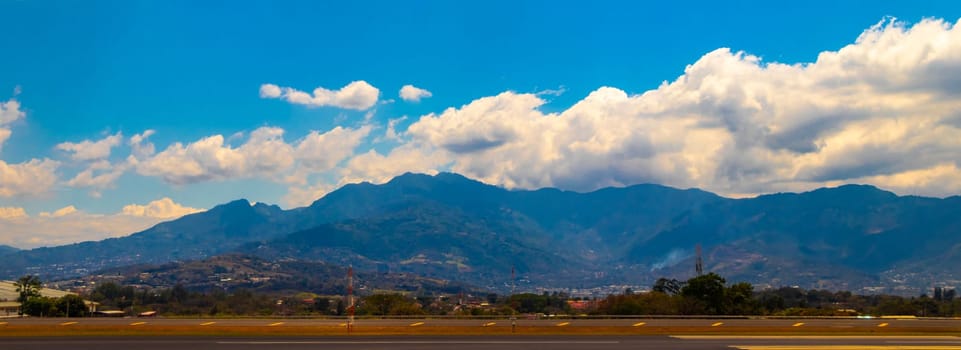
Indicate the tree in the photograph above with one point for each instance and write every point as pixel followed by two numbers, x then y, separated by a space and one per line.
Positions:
pixel 27 286
pixel 39 306
pixel 740 299
pixel 667 286
pixel 389 304
pixel 72 305
pixel 708 290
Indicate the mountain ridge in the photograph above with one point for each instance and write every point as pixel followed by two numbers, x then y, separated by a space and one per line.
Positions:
pixel 452 227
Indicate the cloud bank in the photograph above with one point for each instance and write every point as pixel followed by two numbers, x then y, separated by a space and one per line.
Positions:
pixel 69 224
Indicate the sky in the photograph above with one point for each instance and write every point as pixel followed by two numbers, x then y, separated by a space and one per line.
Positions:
pixel 117 115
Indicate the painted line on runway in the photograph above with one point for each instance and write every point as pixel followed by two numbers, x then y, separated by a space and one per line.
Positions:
pixel 416 342
pixel 885 324
pixel 844 347
pixel 342 325
pixel 138 323
pixel 563 324
pixel 69 323
pixel 488 324
pixel 417 324
pixel 207 323
pixel 3 323
pixel 639 324
pixel 887 338
pixel 275 324
pixel 799 324
pixel 717 324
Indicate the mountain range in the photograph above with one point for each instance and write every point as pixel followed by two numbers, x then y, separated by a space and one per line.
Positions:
pixel 449 227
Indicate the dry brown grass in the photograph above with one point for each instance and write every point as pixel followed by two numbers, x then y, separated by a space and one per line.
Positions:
pixel 295 330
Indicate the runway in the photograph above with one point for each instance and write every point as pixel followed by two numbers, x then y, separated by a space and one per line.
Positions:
pixel 477 343
pixel 798 324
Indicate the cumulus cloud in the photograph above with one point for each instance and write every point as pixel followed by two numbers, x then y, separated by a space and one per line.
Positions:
pixel 139 146
pixel 92 150
pixel 323 151
pixel 31 178
pixel 12 213
pixel 883 109
pixel 70 225
pixel 358 95
pixel 98 176
pixel 9 113
pixel 263 154
pixel 378 168
pixel 412 93
pixel 4 136
pixel 68 210
pixel 164 208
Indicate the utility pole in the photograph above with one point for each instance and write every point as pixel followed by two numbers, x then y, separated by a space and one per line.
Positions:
pixel 699 264
pixel 513 316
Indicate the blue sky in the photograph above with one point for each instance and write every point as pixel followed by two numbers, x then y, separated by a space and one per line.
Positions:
pixel 702 94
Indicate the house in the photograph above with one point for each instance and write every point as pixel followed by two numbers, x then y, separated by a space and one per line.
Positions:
pixel 9 308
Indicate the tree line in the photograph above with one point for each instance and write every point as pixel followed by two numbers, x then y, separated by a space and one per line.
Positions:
pixel 708 294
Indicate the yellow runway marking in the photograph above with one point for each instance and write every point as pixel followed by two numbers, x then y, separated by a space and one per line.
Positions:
pixel 275 324
pixel 3 323
pixel 889 338
pixel 717 324
pixel 138 323
pixel 68 323
pixel 845 347
pixel 638 324
pixel 343 325
pixel 885 324
pixel 488 324
pixel 207 323
pixel 562 324
pixel 799 324
pixel 415 324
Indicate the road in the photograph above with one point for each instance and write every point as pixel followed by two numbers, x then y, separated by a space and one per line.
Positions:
pixel 477 343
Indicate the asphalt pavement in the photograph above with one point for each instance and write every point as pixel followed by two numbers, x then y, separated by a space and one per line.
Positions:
pixel 839 324
pixel 477 343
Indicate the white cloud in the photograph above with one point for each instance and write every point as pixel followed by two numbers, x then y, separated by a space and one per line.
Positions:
pixel 323 151
pixel 300 196
pixel 92 150
pixel 98 176
pixel 411 93
pixel 391 133
pixel 164 208
pixel 140 147
pixel 358 95
pixel 4 136
pixel 10 112
pixel 12 213
pixel 70 225
pixel 264 154
pixel 377 168
pixel 31 178
pixel 68 210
